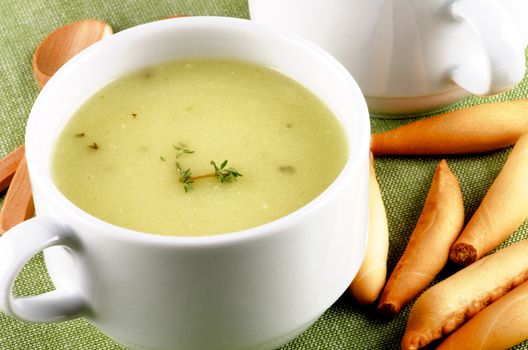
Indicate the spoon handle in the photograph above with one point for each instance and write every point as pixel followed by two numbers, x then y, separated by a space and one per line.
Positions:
pixel 18 203
pixel 8 166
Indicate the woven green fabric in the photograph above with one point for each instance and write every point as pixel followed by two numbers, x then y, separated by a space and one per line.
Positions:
pixel 404 181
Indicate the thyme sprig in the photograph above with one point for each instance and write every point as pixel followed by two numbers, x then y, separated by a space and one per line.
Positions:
pixel 185 177
pixel 223 174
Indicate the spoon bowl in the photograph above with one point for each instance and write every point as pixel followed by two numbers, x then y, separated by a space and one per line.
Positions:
pixel 64 43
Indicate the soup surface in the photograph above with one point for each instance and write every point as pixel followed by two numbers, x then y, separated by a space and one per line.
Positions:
pixel 117 157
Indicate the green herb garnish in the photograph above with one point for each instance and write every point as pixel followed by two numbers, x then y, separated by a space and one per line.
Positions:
pixel 162 158
pixel 185 177
pixel 81 134
pixel 223 174
pixel 181 148
pixel 94 146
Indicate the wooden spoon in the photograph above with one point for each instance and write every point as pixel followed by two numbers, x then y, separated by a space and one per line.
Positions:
pixel 18 203
pixel 64 43
pixel 56 49
pixel 8 166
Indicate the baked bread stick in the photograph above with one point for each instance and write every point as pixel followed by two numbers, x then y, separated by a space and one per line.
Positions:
pixel 475 129
pixel 369 281
pixel 447 305
pixel 427 252
pixel 502 211
pixel 499 326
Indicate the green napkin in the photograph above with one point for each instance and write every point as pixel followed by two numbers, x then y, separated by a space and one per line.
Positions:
pixel 404 181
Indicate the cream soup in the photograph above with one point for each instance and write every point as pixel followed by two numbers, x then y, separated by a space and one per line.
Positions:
pixel 118 157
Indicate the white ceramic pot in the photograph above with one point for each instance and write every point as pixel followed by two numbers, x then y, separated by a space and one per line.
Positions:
pixel 413 55
pixel 254 289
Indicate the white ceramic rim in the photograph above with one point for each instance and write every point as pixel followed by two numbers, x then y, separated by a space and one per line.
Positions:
pixel 43 181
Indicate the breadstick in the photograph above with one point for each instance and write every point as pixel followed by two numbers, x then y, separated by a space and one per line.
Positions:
pixel 501 325
pixel 439 225
pixel 471 130
pixel 447 305
pixel 8 166
pixel 18 202
pixel 369 281
pixel 502 211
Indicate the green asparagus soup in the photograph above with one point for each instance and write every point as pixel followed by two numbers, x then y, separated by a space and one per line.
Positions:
pixel 198 147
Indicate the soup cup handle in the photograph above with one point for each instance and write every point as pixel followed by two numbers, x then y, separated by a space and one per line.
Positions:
pixel 17 247
pixel 501 65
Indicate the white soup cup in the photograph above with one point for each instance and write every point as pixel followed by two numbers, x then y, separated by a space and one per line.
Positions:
pixel 252 289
